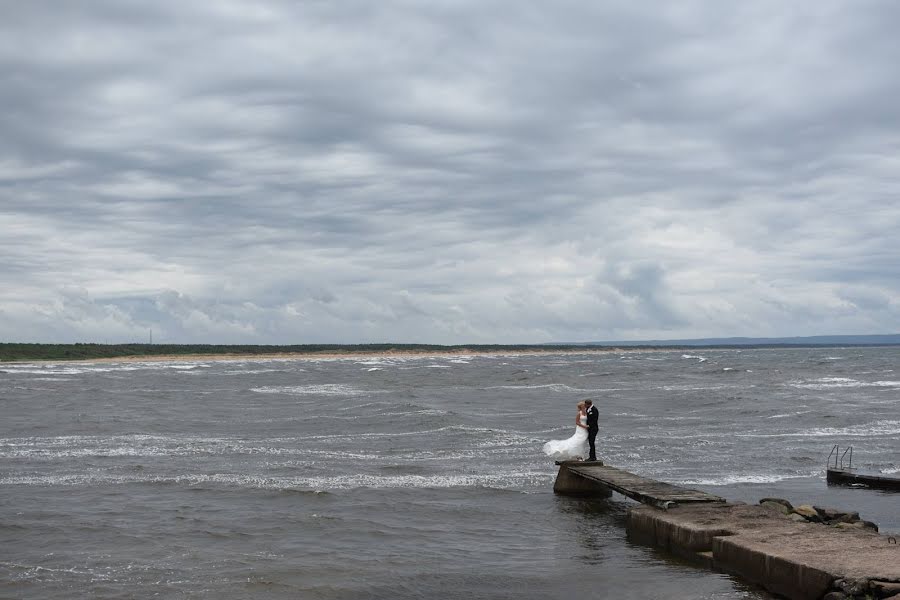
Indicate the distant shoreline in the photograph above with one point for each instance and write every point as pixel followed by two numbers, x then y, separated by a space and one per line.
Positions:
pixel 145 352
pixel 10 353
pixel 327 355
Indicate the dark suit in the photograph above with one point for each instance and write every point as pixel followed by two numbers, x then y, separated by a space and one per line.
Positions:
pixel 592 415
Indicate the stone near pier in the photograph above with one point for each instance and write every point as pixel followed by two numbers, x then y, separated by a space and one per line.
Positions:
pixel 836 516
pixel 808 512
pixel 776 506
pixel 780 501
pixel 885 589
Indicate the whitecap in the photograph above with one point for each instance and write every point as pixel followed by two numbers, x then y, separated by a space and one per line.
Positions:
pixel 825 383
pixel 875 429
pixel 500 480
pixel 325 389
pixel 748 478
pixel 694 356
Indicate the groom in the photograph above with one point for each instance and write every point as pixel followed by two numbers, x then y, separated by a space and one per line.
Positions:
pixel 592 415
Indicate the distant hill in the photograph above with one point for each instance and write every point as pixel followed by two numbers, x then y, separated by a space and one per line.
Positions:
pixel 815 340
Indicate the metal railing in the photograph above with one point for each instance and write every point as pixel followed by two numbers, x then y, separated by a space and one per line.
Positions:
pixel 839 457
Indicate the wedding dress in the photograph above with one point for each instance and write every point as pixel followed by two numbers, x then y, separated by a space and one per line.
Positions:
pixel 570 449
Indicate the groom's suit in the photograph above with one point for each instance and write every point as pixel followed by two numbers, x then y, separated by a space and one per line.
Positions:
pixel 592 415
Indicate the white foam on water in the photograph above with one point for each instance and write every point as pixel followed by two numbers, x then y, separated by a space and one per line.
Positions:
pixel 324 389
pixel 723 386
pixel 257 371
pixel 875 429
pixel 786 415
pixel 499 480
pixel 82 368
pixel 745 478
pixel 696 357
pixel 554 387
pixel 825 383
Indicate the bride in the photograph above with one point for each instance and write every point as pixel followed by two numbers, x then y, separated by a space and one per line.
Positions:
pixel 574 448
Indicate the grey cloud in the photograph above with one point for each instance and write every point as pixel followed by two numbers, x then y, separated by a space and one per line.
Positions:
pixel 287 172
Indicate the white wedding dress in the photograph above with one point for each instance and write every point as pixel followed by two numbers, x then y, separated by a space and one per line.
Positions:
pixel 570 449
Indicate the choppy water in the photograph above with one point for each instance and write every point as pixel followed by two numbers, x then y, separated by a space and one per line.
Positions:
pixel 408 477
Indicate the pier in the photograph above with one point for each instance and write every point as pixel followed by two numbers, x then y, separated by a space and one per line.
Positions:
pixel 853 478
pixel 802 553
pixel 596 475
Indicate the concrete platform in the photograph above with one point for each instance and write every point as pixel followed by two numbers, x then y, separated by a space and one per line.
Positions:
pixel 853 477
pixel 800 561
pixel 579 477
pixel 774 548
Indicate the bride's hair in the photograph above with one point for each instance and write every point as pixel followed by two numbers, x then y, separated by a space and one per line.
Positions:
pixel 580 405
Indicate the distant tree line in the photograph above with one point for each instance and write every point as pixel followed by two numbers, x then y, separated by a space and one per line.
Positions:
pixel 10 352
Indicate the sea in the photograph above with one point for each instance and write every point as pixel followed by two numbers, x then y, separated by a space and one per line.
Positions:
pixel 400 477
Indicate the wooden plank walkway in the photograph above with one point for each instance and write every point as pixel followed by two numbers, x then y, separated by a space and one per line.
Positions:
pixel 642 489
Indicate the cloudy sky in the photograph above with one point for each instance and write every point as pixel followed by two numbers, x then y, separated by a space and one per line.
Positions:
pixel 448 172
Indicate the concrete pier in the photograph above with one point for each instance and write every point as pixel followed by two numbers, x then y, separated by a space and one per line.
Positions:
pixel 576 474
pixel 771 545
pixel 836 476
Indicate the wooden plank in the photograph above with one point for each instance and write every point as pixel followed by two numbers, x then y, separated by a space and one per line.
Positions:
pixel 642 489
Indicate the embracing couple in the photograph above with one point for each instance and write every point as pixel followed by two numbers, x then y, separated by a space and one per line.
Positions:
pixel 586 429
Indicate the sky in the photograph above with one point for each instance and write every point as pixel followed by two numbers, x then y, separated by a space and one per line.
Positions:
pixel 281 172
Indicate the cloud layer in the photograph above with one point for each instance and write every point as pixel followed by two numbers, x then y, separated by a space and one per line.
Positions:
pixel 448 172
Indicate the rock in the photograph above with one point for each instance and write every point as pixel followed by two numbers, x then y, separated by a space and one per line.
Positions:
pixel 864 525
pixel 775 506
pixel 797 518
pixel 894 597
pixel 885 589
pixel 808 512
pixel 835 596
pixel 852 587
pixel 780 501
pixel 839 516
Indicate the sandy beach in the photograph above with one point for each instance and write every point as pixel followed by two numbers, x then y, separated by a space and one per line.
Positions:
pixel 300 356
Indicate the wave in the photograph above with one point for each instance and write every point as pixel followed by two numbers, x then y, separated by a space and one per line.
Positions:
pixel 555 387
pixel 722 386
pixel 65 369
pixel 746 478
pixel 500 480
pixel 824 383
pixel 324 389
pixel 792 414
pixel 696 357
pixel 876 429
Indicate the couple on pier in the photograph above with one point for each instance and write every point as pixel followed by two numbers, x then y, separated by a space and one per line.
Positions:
pixel 586 429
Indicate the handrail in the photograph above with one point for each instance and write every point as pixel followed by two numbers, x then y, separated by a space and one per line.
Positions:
pixel 839 457
pixel 850 465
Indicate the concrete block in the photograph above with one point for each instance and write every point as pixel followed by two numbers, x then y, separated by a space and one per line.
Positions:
pixel 568 484
pixel 781 576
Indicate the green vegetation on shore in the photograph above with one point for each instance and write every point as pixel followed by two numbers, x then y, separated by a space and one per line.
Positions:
pixel 18 352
